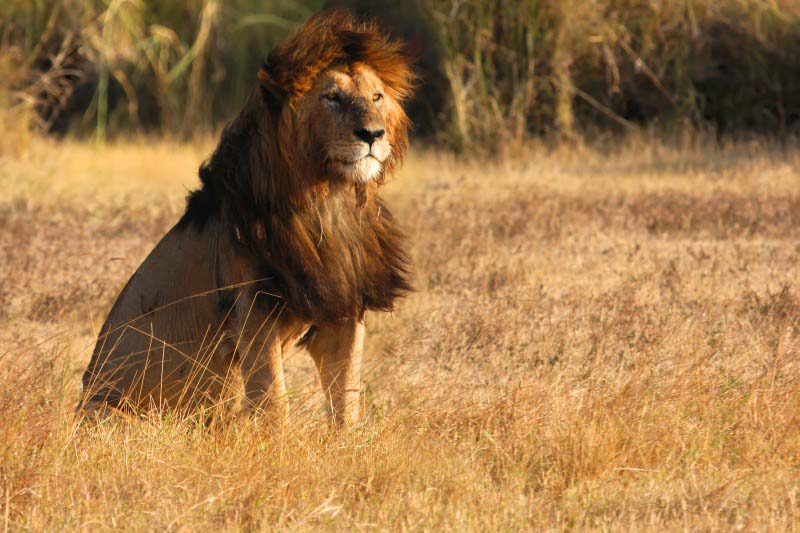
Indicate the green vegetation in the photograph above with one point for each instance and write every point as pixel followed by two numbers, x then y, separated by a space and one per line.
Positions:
pixel 567 66
pixel 102 65
pixel 495 72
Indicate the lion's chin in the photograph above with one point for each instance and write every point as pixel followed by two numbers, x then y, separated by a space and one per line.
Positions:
pixel 363 170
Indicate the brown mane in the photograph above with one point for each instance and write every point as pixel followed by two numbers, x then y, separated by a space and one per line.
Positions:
pixel 329 249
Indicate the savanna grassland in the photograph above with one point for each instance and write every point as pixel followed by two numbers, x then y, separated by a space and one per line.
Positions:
pixel 602 337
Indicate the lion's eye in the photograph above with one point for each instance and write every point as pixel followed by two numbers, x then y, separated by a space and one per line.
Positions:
pixel 332 96
pixel 377 97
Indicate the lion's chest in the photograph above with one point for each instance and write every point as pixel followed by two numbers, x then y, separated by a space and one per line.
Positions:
pixel 333 265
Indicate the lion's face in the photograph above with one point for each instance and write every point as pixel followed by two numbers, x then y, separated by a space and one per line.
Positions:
pixel 347 114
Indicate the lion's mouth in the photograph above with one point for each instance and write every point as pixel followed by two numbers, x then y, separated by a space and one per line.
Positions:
pixel 363 169
pixel 358 160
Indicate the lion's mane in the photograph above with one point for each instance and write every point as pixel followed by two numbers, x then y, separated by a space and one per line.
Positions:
pixel 329 249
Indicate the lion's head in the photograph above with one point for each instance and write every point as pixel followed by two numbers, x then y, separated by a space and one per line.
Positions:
pixel 339 83
pixel 345 111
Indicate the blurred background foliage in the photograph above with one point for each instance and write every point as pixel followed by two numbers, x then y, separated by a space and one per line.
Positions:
pixel 494 73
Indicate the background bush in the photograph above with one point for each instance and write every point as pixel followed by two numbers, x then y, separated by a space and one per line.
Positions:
pixel 494 72
pixel 94 66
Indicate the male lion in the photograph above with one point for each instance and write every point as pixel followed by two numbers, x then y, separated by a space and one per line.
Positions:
pixel 286 242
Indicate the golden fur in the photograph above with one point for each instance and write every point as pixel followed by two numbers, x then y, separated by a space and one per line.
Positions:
pixel 285 243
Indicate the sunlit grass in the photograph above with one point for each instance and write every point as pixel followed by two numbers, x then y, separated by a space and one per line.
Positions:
pixel 601 337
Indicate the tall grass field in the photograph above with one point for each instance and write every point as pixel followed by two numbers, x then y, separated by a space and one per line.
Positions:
pixel 603 216
pixel 492 72
pixel 602 337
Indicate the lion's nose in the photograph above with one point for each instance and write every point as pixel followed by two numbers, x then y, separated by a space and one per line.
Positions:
pixel 368 135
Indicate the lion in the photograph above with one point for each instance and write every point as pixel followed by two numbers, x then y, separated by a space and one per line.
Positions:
pixel 286 243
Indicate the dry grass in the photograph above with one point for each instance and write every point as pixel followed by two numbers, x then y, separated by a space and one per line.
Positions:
pixel 600 339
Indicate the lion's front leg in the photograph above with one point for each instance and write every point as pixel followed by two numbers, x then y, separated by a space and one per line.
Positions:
pixel 261 356
pixel 264 381
pixel 337 352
